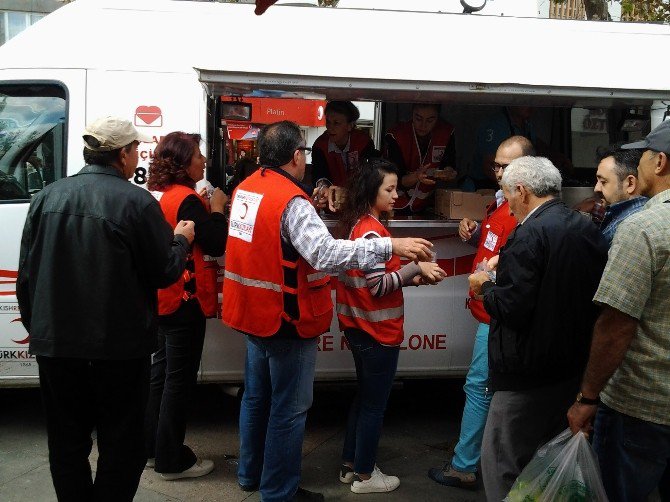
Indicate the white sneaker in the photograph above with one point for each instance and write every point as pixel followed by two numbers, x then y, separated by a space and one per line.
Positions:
pixel 151 463
pixel 346 474
pixel 200 468
pixel 378 483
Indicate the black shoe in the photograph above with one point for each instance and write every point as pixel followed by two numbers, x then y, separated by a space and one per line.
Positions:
pixel 303 495
pixel 448 476
pixel 248 488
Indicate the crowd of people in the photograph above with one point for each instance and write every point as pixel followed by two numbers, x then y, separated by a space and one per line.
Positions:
pixel 565 307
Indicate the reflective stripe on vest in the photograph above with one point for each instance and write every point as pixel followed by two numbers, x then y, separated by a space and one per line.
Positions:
pixel 316 276
pixel 370 315
pixel 353 282
pixel 252 282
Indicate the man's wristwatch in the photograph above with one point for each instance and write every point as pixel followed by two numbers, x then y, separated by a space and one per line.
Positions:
pixel 586 400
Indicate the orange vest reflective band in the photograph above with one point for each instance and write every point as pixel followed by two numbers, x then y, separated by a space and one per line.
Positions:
pixel 206 290
pixel 380 317
pixel 415 198
pixel 266 280
pixel 495 228
pixel 339 172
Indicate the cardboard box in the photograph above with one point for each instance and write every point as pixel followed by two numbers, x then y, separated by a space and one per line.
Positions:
pixel 456 205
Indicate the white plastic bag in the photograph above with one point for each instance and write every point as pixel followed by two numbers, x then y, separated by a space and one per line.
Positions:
pixel 563 470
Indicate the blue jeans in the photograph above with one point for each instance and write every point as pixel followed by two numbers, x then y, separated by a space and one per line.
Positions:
pixel 278 390
pixel 633 454
pixel 376 365
pixel 477 402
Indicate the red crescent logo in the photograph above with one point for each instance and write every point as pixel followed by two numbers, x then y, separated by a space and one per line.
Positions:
pixel 246 210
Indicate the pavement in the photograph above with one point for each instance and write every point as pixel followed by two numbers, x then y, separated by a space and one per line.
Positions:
pixel 420 429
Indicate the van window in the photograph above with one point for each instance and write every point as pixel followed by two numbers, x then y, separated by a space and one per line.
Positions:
pixel 32 139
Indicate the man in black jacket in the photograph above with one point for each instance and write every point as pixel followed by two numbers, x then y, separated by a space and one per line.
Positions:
pixel 94 250
pixel 541 319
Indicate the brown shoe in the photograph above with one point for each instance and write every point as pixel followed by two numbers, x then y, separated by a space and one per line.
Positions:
pixel 448 476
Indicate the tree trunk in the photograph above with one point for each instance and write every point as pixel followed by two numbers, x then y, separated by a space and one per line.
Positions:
pixel 596 9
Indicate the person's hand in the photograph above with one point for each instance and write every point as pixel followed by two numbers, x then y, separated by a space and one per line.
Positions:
pixel 413 248
pixel 465 228
pixel 431 273
pixel 185 228
pixel 320 198
pixel 446 174
pixel 423 177
pixel 580 417
pixel 333 202
pixel 476 280
pixel 492 263
pixel 218 200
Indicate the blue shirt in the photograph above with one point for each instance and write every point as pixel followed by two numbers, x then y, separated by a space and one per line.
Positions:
pixel 618 212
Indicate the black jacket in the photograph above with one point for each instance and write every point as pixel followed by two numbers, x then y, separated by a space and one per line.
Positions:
pixel 541 307
pixel 94 250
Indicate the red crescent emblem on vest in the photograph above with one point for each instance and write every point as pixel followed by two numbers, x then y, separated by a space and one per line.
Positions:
pixel 246 210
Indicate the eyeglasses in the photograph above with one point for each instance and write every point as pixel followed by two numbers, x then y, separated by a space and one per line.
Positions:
pixel 305 149
pixel 497 167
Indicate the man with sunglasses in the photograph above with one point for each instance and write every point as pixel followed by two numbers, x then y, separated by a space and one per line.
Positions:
pixel 489 237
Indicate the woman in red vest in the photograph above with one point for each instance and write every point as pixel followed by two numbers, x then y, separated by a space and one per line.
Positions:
pixel 337 151
pixel 370 311
pixel 183 307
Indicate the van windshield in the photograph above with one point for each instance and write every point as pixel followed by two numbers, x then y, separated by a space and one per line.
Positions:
pixel 32 138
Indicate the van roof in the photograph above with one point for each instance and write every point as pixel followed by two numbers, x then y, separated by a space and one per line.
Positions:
pixel 350 53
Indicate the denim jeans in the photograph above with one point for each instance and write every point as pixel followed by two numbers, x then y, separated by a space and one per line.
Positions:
pixel 174 373
pixel 278 391
pixel 477 401
pixel 376 365
pixel 633 454
pixel 80 395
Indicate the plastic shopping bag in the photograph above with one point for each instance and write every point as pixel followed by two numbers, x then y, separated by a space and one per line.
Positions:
pixel 563 470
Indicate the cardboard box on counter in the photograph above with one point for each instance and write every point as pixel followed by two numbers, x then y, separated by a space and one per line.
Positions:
pixel 456 205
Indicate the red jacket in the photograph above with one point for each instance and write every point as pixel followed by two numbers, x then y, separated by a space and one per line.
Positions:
pixel 496 227
pixel 403 133
pixel 206 291
pixel 381 317
pixel 265 279
pixel 339 172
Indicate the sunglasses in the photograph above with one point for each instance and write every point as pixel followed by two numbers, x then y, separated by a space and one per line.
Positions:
pixel 497 167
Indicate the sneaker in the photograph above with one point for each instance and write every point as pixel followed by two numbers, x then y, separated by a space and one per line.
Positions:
pixel 346 474
pixel 151 463
pixel 303 495
pixel 200 468
pixel 448 476
pixel 378 483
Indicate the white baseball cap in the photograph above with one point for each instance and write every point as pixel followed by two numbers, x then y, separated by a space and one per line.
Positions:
pixel 111 133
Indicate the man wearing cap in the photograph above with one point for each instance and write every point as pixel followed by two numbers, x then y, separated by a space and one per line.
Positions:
pixel 626 385
pixel 95 248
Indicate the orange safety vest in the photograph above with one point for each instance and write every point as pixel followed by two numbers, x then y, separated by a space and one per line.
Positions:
pixel 339 172
pixel 496 227
pixel 206 290
pixel 417 198
pixel 380 317
pixel 266 280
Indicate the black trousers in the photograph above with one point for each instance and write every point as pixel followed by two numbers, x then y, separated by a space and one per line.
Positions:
pixel 174 373
pixel 80 395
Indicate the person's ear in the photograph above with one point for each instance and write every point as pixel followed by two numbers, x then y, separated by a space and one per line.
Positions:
pixel 296 156
pixel 630 184
pixel 523 193
pixel 662 164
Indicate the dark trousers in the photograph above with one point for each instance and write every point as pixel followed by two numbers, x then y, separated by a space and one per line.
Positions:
pixel 110 396
pixel 174 374
pixel 376 366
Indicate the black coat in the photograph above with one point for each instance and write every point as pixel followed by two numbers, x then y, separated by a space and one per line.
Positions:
pixel 95 248
pixel 541 308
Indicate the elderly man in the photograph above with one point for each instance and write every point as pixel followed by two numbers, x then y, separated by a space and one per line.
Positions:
pixel 629 365
pixel 489 237
pixel 274 295
pixel 617 185
pixel 541 319
pixel 95 249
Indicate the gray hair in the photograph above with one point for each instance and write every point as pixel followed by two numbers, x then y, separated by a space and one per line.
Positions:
pixel 537 174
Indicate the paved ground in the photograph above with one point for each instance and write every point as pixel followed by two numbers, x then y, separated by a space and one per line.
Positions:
pixel 421 427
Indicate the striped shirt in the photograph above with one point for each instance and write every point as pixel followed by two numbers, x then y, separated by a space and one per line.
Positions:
pixel 636 281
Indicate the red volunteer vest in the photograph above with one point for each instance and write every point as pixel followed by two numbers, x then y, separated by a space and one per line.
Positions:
pixel 416 198
pixel 339 172
pixel 496 227
pixel 263 281
pixel 380 317
pixel 206 290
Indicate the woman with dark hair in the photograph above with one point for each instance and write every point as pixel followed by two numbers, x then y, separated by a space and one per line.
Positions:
pixel 338 150
pixel 183 307
pixel 370 312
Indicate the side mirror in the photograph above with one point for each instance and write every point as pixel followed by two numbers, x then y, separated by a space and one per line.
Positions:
pixel 470 6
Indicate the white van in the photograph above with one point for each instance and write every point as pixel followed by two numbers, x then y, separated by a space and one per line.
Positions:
pixel 167 64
